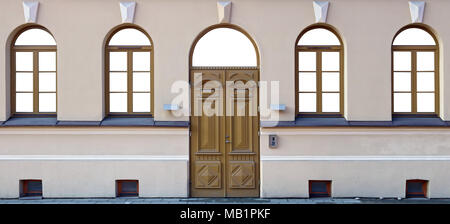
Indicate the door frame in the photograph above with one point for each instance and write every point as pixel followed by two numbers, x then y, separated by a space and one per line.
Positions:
pixel 191 68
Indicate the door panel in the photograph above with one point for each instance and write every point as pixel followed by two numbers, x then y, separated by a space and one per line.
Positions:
pixel 242 154
pixel 207 141
pixel 242 175
pixel 224 146
pixel 208 174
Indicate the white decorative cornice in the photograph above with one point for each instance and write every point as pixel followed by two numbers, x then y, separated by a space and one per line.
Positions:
pixel 30 11
pixel 321 11
pixel 127 10
pixel 416 8
pixel 224 11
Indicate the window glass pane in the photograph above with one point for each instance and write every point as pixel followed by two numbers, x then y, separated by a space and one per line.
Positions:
pixel 330 61
pixel 307 81
pixel 117 81
pixel 141 81
pixel 224 47
pixel 402 102
pixel 24 61
pixel 330 102
pixel 307 61
pixel 402 81
pixel 425 81
pixel 425 102
pixel 319 36
pixel 118 61
pixel 47 102
pixel 47 61
pixel 425 61
pixel 402 61
pixel 129 36
pixel 141 61
pixel 307 102
pixel 24 81
pixel 24 102
pixel 35 37
pixel 47 82
pixel 330 81
pixel 141 102
pixel 118 102
pixel 414 36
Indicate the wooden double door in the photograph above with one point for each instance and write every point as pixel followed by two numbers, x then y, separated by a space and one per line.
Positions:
pixel 224 157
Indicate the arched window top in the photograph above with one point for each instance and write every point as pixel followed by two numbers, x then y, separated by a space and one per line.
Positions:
pixel 414 36
pixel 319 36
pixel 224 47
pixel 35 37
pixel 129 37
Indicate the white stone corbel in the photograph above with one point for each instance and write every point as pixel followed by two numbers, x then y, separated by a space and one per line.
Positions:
pixel 30 11
pixel 127 10
pixel 321 11
pixel 224 11
pixel 416 8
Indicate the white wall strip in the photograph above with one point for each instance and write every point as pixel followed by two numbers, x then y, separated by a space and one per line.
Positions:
pixel 358 133
pixel 355 158
pixel 93 158
pixel 8 131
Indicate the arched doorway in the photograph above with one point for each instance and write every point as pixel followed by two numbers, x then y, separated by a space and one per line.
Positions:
pixel 224 144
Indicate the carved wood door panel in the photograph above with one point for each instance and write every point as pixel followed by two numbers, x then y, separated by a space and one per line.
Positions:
pixel 207 134
pixel 241 128
pixel 224 157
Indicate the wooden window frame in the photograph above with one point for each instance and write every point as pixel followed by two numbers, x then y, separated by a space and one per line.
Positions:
pixel 35 49
pixel 129 49
pixel 423 194
pixel 312 194
pixel 119 192
pixel 24 188
pixel 414 49
pixel 319 49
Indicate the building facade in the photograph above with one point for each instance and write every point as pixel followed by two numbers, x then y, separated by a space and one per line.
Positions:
pixel 89 113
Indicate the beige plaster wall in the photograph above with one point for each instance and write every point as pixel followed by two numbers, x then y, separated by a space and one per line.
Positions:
pixel 96 178
pixel 85 162
pixel 80 27
pixel 361 162
pixel 353 178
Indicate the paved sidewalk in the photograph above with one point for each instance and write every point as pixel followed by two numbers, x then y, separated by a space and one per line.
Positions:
pixel 223 201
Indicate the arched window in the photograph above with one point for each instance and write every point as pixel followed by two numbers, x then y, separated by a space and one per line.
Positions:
pixel 33 72
pixel 129 72
pixel 218 47
pixel 415 73
pixel 319 72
